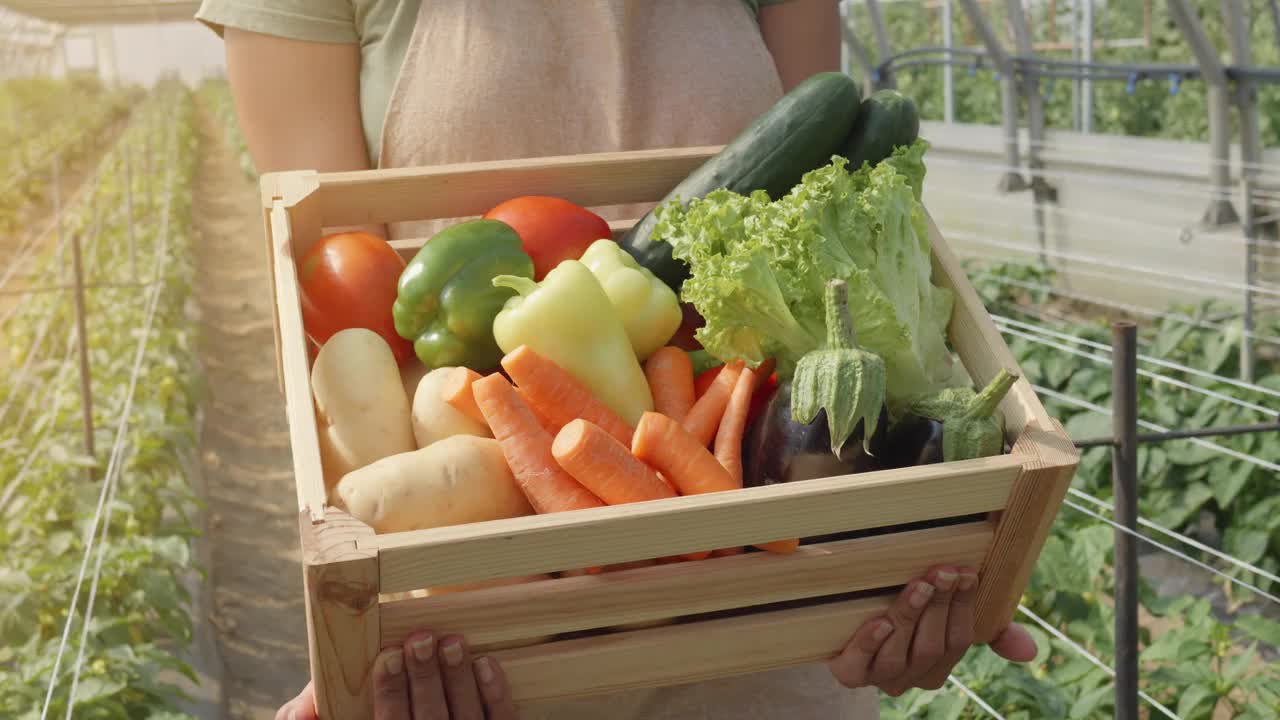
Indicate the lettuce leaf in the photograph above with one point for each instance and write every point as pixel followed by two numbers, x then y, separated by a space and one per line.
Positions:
pixel 758 269
pixel 749 275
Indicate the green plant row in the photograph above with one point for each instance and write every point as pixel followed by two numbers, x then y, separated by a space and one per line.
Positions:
pixel 40 117
pixel 1201 660
pixel 141 620
pixel 215 94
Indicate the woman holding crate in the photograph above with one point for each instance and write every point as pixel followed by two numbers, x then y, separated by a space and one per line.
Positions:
pixel 338 85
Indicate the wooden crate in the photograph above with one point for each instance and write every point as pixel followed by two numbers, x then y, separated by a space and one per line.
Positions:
pixel 737 614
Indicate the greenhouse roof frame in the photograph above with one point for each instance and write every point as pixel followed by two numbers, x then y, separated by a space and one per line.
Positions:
pixel 104 12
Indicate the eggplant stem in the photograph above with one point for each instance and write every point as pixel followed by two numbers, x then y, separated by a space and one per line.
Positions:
pixel 984 403
pixel 839 322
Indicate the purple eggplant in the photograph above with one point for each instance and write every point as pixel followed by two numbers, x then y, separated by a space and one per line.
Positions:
pixel 779 449
pixel 911 440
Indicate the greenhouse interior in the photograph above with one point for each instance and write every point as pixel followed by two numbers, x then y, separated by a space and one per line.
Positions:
pixel 230 489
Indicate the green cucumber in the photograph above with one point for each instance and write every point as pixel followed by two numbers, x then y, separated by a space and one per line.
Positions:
pixel 886 120
pixel 800 133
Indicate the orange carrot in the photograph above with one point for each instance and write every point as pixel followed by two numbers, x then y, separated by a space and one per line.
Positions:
pixel 455 389
pixel 527 448
pixel 704 417
pixel 781 547
pixel 542 419
pixel 605 466
pixel 670 375
pixel 726 552
pixel 728 445
pixel 670 449
pixel 558 395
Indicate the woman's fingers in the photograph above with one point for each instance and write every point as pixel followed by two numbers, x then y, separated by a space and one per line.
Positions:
pixel 460 680
pixel 959 630
pixel 426 688
pixel 930 642
pixel 852 667
pixel 891 662
pixel 1015 644
pixel 302 707
pixel 494 690
pixel 390 686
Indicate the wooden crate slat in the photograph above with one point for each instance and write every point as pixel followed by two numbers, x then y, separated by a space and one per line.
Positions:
pixel 341 585
pixel 685 653
pixel 980 345
pixel 623 533
pixel 448 191
pixel 548 607
pixel 1024 524
pixel 304 441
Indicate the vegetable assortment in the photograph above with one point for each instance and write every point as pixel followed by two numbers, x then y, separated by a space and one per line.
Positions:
pixel 774 319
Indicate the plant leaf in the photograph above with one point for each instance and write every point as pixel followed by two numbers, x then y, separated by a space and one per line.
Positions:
pixel 1194 697
pixel 1264 629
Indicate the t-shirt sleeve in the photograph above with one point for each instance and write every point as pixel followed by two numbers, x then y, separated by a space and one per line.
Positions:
pixel 314 20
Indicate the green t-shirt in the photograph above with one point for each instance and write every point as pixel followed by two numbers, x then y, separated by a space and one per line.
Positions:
pixel 381 27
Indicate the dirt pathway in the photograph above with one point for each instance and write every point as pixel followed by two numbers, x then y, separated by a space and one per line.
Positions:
pixel 253 536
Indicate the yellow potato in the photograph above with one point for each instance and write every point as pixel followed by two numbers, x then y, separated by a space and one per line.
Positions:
pixel 460 479
pixel 362 412
pixel 434 419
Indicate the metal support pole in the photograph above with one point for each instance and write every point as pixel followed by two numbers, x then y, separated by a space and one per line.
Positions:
pixel 860 54
pixel 1012 180
pixel 1086 56
pixel 1124 480
pixel 1246 97
pixel 1220 211
pixel 884 50
pixel 146 146
pixel 1076 83
pixel 55 189
pixel 128 206
pixel 82 347
pixel 842 8
pixel 1035 105
pixel 1275 18
pixel 948 75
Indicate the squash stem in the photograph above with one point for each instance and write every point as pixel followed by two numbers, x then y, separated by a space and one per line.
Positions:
pixel 522 285
pixel 984 403
pixel 839 322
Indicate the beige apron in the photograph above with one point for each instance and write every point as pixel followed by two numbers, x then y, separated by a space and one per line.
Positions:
pixel 504 79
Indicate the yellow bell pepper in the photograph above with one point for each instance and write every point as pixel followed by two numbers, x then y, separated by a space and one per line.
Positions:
pixel 648 308
pixel 569 319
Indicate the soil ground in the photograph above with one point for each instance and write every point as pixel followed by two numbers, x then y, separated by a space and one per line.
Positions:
pixel 252 541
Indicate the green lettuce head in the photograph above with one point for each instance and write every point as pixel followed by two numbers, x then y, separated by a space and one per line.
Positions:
pixel 759 267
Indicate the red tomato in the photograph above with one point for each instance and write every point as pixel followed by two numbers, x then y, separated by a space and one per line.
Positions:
pixel 551 230
pixel 349 280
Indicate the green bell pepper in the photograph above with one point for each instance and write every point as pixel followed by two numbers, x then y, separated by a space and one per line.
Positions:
pixel 568 319
pixel 446 300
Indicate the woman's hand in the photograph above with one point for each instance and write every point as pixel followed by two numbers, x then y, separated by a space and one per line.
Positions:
pixel 926 632
pixel 423 680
